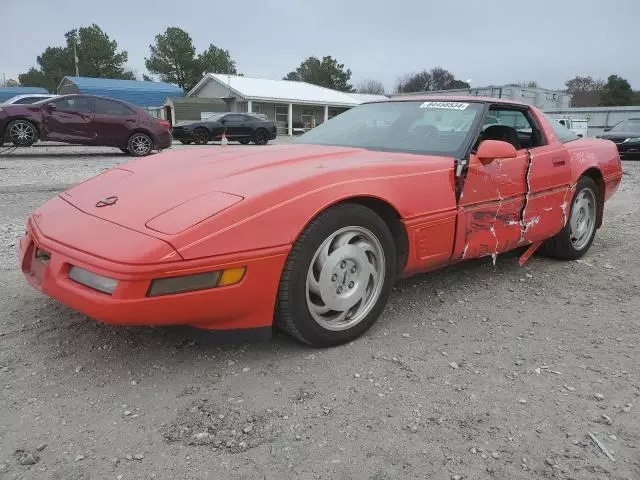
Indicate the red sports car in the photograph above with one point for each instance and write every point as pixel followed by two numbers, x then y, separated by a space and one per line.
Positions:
pixel 312 235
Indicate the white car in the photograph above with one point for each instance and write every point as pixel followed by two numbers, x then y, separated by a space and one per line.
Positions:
pixel 27 99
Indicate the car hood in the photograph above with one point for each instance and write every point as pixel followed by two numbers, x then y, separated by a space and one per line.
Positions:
pixel 167 193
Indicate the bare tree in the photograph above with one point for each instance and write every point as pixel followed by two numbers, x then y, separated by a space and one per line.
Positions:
pixel 374 87
pixel 436 79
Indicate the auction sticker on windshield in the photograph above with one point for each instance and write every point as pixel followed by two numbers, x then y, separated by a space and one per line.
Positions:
pixel 445 105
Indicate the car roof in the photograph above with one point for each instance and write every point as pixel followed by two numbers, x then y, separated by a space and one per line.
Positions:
pixel 454 98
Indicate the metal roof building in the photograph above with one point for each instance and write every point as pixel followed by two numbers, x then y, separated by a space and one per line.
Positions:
pixel 542 98
pixel 142 94
pixel 292 105
pixel 7 92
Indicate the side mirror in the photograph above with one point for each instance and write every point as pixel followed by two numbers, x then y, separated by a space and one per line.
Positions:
pixel 223 121
pixel 489 150
pixel 50 107
pixel 607 129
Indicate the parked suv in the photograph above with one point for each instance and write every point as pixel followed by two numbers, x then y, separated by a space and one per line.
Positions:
pixel 85 120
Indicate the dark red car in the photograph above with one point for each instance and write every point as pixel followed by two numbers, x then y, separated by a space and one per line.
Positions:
pixel 85 120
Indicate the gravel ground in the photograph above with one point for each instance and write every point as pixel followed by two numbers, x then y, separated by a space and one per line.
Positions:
pixel 472 372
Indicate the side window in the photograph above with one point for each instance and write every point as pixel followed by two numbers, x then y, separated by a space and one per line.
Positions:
pixel 106 107
pixel 563 133
pixel 75 104
pixel 235 118
pixel 27 100
pixel 515 126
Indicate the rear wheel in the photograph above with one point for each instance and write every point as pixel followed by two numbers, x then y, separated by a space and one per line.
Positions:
pixel 574 240
pixel 337 278
pixel 201 136
pixel 261 137
pixel 140 144
pixel 22 133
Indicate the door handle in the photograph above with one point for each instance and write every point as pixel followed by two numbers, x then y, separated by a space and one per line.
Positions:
pixel 130 120
pixel 558 162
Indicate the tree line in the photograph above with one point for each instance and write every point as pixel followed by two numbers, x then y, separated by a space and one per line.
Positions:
pixel 174 58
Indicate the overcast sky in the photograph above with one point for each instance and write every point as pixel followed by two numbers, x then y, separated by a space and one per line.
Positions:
pixel 489 42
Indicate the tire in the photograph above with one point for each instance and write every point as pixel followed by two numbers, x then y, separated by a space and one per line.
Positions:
pixel 569 244
pixel 201 136
pixel 139 144
pixel 186 142
pixel 22 133
pixel 261 137
pixel 244 141
pixel 307 315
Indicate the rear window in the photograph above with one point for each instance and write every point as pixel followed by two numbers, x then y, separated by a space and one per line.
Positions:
pixel 563 133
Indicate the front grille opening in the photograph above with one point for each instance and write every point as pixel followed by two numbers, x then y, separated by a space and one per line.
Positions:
pixel 42 256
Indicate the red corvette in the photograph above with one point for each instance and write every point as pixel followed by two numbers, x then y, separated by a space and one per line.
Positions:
pixel 312 235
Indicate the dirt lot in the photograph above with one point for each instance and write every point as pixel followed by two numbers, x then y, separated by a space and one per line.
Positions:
pixel 473 372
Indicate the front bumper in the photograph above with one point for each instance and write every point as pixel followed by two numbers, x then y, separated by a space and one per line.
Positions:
pixel 628 149
pixel 181 133
pixel 248 304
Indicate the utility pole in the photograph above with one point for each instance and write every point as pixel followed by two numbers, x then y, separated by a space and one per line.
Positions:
pixel 75 55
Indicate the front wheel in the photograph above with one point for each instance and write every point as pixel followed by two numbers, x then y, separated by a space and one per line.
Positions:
pixel 337 278
pixel 22 133
pixel 140 144
pixel 261 137
pixel 574 240
pixel 201 136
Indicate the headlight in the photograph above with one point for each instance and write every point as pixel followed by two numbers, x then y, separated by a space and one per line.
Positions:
pixel 92 280
pixel 632 140
pixel 198 281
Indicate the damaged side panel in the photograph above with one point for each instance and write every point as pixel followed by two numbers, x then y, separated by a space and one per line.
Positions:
pixel 548 193
pixel 489 207
pixel 511 203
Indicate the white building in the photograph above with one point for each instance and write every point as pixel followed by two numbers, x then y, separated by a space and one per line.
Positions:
pixel 292 105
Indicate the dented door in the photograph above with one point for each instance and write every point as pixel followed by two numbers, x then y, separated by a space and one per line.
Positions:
pixel 490 207
pixel 510 203
pixel 548 193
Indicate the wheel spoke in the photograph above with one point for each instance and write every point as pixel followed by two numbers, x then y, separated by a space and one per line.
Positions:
pixel 345 239
pixel 320 309
pixel 314 286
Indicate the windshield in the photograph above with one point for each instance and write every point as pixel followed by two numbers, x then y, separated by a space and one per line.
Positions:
pixel 437 128
pixel 214 117
pixel 630 125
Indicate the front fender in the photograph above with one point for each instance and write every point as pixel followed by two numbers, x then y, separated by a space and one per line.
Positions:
pixel 277 217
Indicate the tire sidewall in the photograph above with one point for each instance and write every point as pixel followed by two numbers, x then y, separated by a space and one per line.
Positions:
pixel 130 144
pixel 317 233
pixel 583 183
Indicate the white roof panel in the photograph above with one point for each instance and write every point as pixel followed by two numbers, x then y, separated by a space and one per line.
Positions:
pixel 368 97
pixel 282 90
